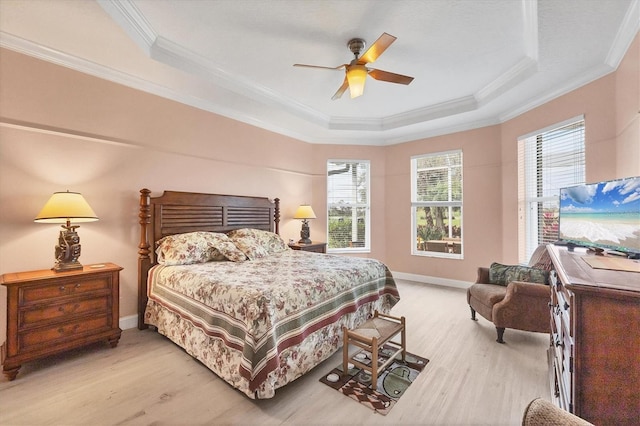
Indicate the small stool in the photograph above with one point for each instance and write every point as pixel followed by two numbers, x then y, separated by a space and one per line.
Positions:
pixel 371 336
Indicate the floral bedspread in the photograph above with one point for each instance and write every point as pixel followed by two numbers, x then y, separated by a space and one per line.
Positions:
pixel 260 324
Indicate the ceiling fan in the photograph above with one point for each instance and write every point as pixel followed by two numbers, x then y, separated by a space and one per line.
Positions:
pixel 356 71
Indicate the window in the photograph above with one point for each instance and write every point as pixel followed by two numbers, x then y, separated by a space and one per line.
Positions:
pixel 436 204
pixel 548 160
pixel 348 205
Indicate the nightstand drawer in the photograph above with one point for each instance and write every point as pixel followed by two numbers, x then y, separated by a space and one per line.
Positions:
pixel 63 288
pixel 49 313
pixel 64 331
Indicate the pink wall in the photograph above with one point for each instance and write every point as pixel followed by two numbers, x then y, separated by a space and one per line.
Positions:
pixel 611 107
pixel 481 196
pixel 627 81
pixel 67 130
pixel 61 129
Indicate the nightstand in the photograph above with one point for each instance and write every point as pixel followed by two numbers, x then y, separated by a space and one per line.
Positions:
pixel 50 312
pixel 314 247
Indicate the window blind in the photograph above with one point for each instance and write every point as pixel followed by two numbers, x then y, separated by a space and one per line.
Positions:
pixel 547 161
pixel 348 205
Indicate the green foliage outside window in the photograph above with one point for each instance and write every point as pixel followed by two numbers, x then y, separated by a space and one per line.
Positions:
pixel 437 202
pixel 340 233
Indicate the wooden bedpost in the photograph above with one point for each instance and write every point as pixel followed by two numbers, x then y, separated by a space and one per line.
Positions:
pixel 276 215
pixel 144 261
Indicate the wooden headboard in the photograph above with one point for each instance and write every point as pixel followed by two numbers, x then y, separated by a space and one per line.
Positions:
pixel 179 212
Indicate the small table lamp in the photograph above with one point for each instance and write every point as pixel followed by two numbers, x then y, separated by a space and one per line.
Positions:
pixel 64 207
pixel 305 212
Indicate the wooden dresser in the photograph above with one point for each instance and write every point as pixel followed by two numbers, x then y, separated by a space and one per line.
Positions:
pixel 50 312
pixel 594 356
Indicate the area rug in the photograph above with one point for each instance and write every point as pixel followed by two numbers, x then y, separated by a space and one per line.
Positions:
pixel 393 382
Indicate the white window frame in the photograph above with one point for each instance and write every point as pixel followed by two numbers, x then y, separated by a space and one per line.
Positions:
pixel 537 188
pixel 450 204
pixel 366 248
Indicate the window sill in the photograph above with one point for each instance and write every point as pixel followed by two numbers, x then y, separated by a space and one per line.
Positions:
pixel 439 255
pixel 348 250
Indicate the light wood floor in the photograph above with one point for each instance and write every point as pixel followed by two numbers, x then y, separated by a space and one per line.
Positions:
pixel 470 379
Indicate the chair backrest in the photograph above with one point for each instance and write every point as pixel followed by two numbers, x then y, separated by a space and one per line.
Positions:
pixel 541 259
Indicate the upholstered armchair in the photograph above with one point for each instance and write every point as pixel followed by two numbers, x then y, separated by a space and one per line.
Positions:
pixel 514 297
pixel 540 412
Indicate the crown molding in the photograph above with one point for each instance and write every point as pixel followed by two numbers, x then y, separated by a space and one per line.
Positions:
pixel 432 112
pixel 129 17
pixel 579 81
pixel 443 130
pixel 178 57
pixel 627 32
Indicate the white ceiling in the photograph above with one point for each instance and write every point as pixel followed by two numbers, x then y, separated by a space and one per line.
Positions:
pixel 475 62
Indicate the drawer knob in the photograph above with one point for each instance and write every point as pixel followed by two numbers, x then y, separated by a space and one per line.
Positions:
pixel 62 288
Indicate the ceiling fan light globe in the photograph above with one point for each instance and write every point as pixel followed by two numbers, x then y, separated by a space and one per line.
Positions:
pixel 356 75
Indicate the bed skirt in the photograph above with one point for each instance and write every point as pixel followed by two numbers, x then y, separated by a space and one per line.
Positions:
pixel 225 362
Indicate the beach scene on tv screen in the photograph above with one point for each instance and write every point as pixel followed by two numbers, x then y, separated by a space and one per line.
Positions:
pixel 602 214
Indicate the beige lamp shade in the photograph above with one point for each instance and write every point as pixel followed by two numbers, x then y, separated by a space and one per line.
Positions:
pixel 304 212
pixel 67 206
pixel 356 76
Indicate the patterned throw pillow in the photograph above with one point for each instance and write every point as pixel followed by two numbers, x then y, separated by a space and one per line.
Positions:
pixel 503 274
pixel 256 243
pixel 196 247
pixel 229 251
pixel 183 249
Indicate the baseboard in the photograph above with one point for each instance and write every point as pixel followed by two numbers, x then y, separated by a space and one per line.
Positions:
pixel 126 323
pixel 445 282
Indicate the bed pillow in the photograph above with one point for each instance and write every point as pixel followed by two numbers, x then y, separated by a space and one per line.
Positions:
pixel 183 249
pixel 256 243
pixel 196 247
pixel 503 274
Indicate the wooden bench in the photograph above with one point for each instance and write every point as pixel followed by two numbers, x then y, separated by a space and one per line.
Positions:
pixel 371 336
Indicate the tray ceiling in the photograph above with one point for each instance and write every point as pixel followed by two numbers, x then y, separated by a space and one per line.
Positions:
pixel 475 63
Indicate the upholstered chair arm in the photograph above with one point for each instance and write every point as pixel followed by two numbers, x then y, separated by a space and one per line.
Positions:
pixel 483 275
pixel 524 307
pixel 542 412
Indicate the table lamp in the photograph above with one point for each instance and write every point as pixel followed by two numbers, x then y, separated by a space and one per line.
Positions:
pixel 305 212
pixel 64 207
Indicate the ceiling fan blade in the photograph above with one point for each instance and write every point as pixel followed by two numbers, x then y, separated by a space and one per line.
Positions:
pixel 341 90
pixel 320 66
pixel 376 49
pixel 390 77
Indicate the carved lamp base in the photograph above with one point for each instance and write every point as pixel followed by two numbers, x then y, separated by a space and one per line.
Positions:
pixel 67 250
pixel 305 233
pixel 66 266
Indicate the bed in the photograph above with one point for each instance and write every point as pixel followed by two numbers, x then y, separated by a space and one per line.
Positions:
pixel 216 279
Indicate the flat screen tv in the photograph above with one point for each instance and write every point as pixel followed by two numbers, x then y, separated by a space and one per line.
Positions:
pixel 603 215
